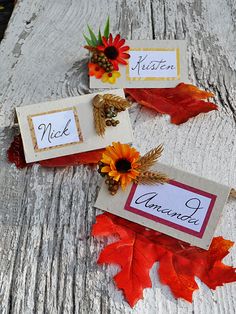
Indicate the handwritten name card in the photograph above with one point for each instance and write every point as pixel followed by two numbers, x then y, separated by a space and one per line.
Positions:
pixel 64 127
pixel 152 64
pixel 55 129
pixel 188 207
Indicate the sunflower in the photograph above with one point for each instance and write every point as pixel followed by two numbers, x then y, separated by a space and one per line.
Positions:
pixel 120 162
pixel 115 50
pixel 95 70
pixel 110 77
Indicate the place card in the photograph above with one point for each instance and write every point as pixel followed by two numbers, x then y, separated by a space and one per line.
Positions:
pixel 64 127
pixel 188 207
pixel 152 64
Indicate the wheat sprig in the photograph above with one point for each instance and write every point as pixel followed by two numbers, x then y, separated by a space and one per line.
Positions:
pixel 118 102
pixel 149 159
pixel 98 115
pixel 149 177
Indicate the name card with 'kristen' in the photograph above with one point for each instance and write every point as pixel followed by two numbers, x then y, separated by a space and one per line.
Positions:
pixel 152 64
pixel 188 207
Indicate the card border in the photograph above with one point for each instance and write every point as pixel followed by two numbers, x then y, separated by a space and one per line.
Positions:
pixel 33 135
pixel 128 78
pixel 198 234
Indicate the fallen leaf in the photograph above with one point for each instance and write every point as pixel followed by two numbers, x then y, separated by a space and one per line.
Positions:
pixel 138 248
pixel 181 103
pixel 16 155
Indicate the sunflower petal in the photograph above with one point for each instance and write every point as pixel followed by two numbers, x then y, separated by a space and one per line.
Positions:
pixel 120 43
pixel 116 40
pixel 124 55
pixel 124 48
pixel 106 169
pixel 122 61
pixel 110 39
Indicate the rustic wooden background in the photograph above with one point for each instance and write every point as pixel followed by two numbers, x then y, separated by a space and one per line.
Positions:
pixel 47 257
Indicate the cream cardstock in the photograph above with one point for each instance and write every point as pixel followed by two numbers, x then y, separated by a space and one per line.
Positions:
pixel 152 64
pixel 64 127
pixel 188 207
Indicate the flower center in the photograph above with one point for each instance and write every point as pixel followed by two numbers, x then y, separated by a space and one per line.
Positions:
pixel 123 165
pixel 111 52
pixel 110 74
pixel 97 69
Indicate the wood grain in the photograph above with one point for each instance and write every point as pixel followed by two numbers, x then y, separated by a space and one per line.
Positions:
pixel 47 257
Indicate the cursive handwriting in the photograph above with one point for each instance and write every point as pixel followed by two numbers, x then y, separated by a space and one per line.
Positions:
pixel 153 65
pixel 51 134
pixel 193 203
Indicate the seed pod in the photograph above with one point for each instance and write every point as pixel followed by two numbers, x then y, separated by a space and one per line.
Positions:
pixel 108 122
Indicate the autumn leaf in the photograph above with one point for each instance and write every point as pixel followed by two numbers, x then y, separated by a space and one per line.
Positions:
pixel 15 154
pixel 138 248
pixel 91 157
pixel 181 103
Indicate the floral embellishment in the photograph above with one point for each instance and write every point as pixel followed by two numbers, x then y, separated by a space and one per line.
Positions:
pixel 106 53
pixel 95 70
pixel 110 77
pixel 122 164
pixel 115 50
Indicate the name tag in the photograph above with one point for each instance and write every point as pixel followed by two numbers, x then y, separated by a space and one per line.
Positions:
pixel 55 129
pixel 66 126
pixel 173 204
pixel 152 64
pixel 188 207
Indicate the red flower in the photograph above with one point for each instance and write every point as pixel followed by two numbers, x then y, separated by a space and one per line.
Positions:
pixel 115 50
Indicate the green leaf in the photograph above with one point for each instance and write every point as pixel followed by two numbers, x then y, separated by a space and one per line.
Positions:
pixel 93 37
pixel 89 42
pixel 99 37
pixel 107 28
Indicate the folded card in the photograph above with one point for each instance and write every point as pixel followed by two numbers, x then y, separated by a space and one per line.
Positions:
pixel 64 127
pixel 188 207
pixel 152 64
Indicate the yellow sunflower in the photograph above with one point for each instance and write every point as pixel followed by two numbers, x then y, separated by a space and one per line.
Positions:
pixel 121 163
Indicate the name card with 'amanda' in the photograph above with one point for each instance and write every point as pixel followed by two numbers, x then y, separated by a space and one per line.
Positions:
pixel 188 207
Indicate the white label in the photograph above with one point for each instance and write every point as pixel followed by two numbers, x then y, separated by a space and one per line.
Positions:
pixel 55 129
pixel 156 64
pixel 173 204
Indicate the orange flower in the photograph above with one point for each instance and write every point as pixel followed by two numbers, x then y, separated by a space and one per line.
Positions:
pixel 95 70
pixel 121 163
pixel 115 50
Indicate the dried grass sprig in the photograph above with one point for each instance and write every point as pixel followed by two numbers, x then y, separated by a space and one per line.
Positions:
pixel 118 102
pixel 150 158
pixel 149 177
pixel 98 114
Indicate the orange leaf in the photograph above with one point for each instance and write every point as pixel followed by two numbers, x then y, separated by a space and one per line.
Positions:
pixel 181 103
pixel 91 157
pixel 138 248
pixel 16 155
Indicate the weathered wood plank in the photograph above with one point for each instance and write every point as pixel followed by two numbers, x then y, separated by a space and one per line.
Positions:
pixel 47 257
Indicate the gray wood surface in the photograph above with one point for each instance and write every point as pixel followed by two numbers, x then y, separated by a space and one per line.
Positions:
pixel 47 257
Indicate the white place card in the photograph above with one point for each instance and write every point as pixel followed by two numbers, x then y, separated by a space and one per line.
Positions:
pixel 188 207
pixel 152 64
pixel 66 126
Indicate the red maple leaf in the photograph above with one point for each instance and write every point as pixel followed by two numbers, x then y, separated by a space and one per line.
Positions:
pixel 181 103
pixel 138 248
pixel 16 155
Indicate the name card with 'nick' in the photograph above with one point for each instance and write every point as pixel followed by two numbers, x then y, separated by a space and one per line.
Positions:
pixel 66 126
